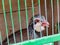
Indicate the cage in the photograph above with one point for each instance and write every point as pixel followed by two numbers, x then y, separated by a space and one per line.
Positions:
pixel 15 17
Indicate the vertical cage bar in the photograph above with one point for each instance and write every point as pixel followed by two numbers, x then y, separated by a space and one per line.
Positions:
pixel 58 14
pixel 12 21
pixel 46 16
pixel 33 15
pixel 39 9
pixel 19 20
pixel 26 10
pixel 0 38
pixel 52 17
pixel 6 25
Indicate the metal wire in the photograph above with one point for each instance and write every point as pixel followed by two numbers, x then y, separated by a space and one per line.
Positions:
pixel 52 17
pixel 46 16
pixel 26 10
pixel 19 20
pixel 12 21
pixel 33 16
pixel 39 8
pixel 58 15
pixel 6 25
pixel 0 38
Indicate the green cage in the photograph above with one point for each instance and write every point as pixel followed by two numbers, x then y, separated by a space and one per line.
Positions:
pixel 48 8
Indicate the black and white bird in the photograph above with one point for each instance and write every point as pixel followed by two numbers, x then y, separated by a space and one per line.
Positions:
pixel 37 24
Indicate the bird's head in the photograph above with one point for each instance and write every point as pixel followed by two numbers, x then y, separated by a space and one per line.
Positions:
pixel 40 23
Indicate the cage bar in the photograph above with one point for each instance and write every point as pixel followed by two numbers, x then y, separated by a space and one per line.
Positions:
pixel 46 16
pixel 52 17
pixel 19 20
pixel 26 10
pixel 58 19
pixel 33 15
pixel 12 21
pixel 58 15
pixel 5 20
pixel 39 11
pixel 0 38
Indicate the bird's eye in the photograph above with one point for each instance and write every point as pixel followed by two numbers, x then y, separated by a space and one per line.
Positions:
pixel 36 20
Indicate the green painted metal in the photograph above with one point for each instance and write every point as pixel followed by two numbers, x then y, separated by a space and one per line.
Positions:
pixel 6 25
pixel 26 11
pixel 0 38
pixel 39 11
pixel 41 41
pixel 49 44
pixel 33 15
pixel 12 21
pixel 46 14
pixel 58 15
pixel 52 17
pixel 19 20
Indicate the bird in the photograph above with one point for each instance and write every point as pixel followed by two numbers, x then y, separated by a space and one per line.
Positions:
pixel 37 24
